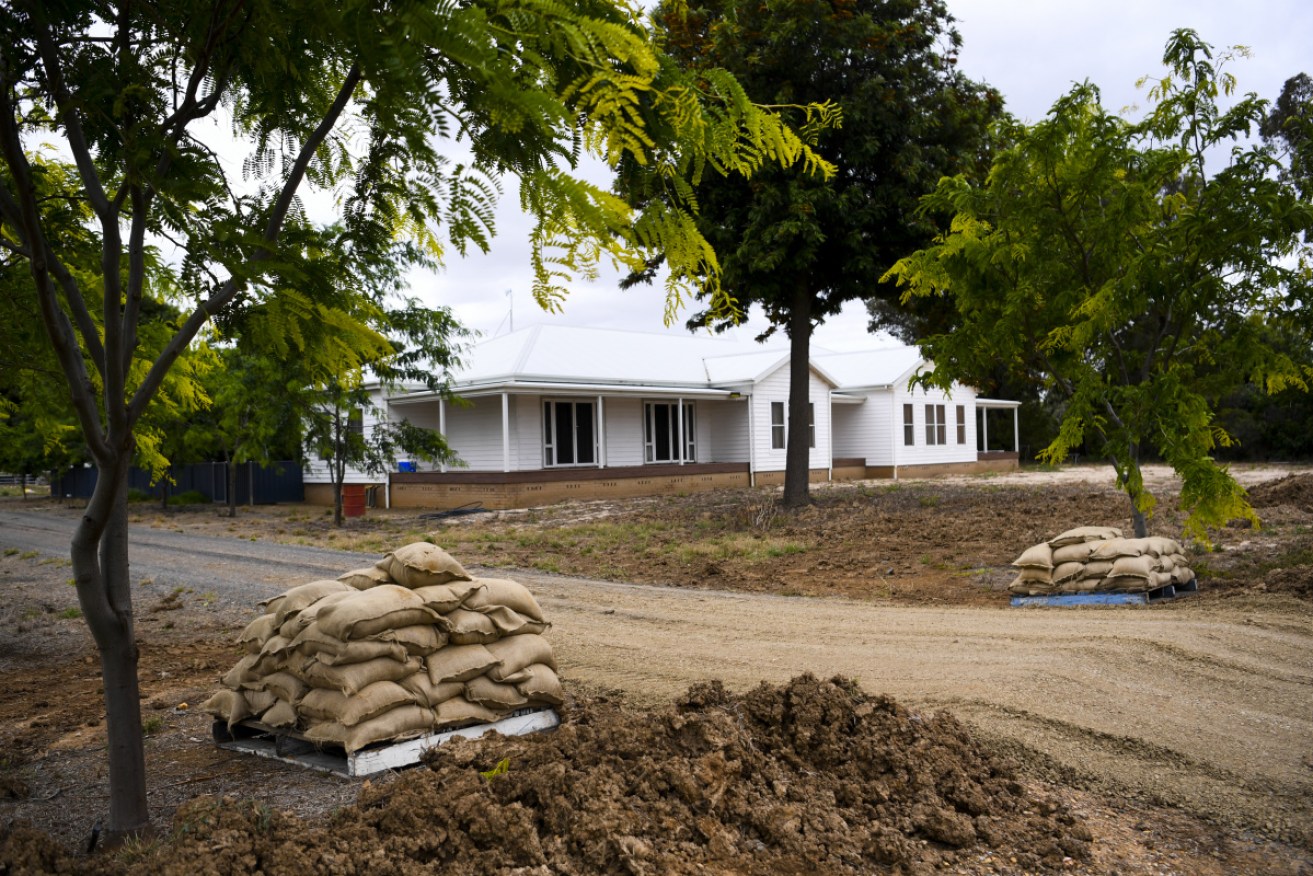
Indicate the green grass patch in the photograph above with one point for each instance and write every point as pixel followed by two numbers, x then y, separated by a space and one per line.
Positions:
pixel 71 614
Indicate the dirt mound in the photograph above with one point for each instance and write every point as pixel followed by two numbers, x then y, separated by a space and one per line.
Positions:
pixel 1295 489
pixel 812 776
pixel 1297 581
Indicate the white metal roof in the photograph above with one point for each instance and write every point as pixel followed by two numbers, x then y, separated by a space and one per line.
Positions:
pixel 872 368
pixel 579 358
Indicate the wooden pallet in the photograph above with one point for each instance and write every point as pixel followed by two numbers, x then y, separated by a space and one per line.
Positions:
pixel 251 737
pixel 1160 594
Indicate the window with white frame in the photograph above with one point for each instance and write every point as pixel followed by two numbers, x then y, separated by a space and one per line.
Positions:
pixel 668 437
pixel 961 424
pixel 777 425
pixel 811 424
pixel 569 433
pixel 909 426
pixel 936 428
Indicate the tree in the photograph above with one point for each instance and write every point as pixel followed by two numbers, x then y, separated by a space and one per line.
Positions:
pixel 1103 261
pixel 800 245
pixel 1289 125
pixel 359 100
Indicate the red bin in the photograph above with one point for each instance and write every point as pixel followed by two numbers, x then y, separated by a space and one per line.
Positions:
pixel 353 500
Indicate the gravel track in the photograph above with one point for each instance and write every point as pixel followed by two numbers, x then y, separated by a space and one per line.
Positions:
pixel 1201 704
pixel 238 572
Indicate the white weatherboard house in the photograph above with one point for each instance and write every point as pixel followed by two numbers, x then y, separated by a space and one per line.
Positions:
pixel 555 412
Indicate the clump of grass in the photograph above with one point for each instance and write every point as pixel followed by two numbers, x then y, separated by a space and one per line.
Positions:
pixel 71 613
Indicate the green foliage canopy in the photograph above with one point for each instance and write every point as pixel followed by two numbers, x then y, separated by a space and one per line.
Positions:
pixel 1103 260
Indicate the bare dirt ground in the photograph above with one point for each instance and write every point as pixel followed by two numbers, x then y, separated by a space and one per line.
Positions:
pixel 1166 739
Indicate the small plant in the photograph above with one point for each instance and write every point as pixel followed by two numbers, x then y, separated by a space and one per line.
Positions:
pixel 136 495
pixel 11 551
pixel 152 725
pixel 189 497
pixel 71 613
pixel 502 768
pixel 29 555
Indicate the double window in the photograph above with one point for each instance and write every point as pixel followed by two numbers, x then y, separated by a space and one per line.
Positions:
pixel 569 433
pixel 668 433
pixel 936 426
pixel 777 429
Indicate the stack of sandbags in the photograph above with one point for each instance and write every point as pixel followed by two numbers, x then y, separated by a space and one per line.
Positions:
pixel 1097 559
pixel 408 646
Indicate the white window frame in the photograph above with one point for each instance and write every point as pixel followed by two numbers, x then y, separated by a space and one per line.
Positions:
pixel 551 433
pixel 961 424
pixel 811 425
pixel 673 424
pixel 909 425
pixel 778 436
pixel 936 427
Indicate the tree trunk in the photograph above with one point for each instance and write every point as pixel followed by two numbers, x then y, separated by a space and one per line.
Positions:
pixel 22 485
pixel 797 462
pixel 232 486
pixel 101 572
pixel 1133 481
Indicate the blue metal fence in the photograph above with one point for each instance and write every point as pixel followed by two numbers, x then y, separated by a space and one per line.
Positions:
pixel 257 485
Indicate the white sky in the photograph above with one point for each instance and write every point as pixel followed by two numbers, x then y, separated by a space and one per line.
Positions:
pixel 1031 50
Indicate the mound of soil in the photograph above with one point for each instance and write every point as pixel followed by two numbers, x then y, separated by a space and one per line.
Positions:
pixel 812 776
pixel 1295 490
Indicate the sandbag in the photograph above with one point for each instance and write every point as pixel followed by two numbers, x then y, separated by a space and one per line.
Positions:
pixel 1097 568
pixel 242 673
pixel 503 591
pixel 323 704
pixel 280 714
pixel 259 701
pixel 1036 575
pixel 360 651
pixel 1038 557
pixel 458 663
pixel 422 565
pixel 493 694
pixel 458 711
pixel 443 598
pixel 295 623
pixel 273 656
pixel 1073 553
pixel 229 706
pixel 466 627
pixel 1132 567
pixel 403 722
pixel 363 579
pixel 285 686
pixel 372 611
pixel 516 652
pixel 1125 584
pixel 427 693
pixel 1161 546
pixel 354 677
pixel 306 594
pixel 1182 575
pixel 509 622
pixel 1084 533
pixel 543 685
pixel 1068 571
pixel 418 640
pixel 257 632
pixel 1120 547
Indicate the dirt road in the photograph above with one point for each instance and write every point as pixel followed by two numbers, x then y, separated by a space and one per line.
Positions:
pixel 1209 709
pixel 1204 704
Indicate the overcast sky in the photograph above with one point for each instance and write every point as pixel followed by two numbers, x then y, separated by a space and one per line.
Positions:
pixel 1031 50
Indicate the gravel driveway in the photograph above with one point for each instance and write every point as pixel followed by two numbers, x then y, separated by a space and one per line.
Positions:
pixel 239 573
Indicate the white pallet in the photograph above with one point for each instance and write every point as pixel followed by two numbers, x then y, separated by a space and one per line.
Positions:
pixel 264 741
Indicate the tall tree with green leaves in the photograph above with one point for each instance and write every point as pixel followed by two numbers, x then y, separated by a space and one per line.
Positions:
pixel 408 114
pixel 795 243
pixel 1110 263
